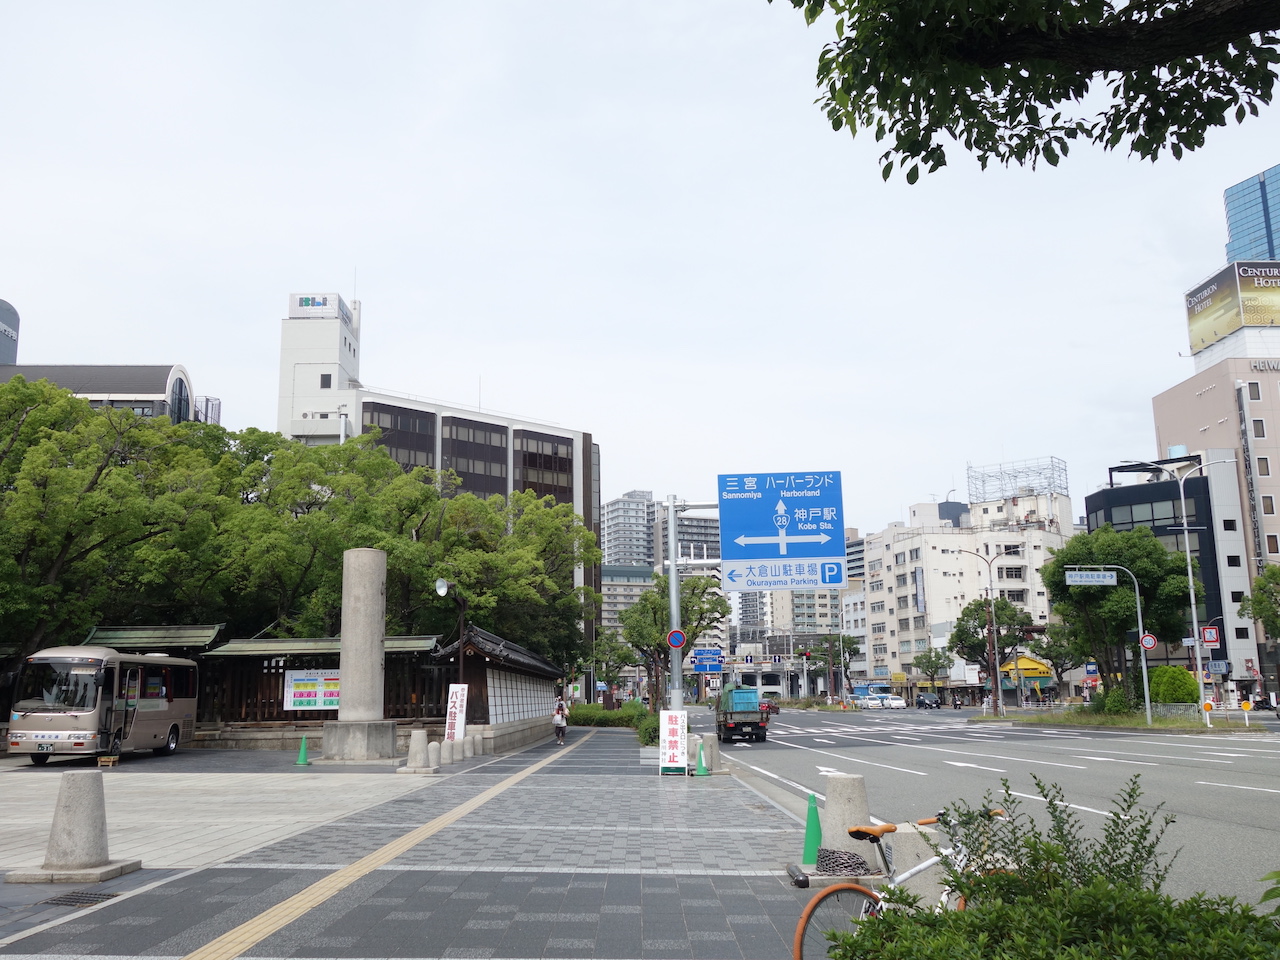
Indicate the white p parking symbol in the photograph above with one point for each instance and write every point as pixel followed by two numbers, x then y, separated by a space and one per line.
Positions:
pixel 831 572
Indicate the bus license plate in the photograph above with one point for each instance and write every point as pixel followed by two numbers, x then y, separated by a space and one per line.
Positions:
pixel 44 748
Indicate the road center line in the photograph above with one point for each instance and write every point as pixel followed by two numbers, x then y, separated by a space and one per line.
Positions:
pixel 252 932
pixel 1234 786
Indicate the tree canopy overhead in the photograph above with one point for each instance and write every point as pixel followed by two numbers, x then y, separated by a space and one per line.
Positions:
pixel 1005 78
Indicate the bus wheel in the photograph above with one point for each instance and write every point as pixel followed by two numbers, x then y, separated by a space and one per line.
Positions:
pixel 170 744
pixel 39 759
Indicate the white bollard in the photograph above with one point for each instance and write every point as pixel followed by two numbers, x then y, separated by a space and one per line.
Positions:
pixel 79 835
pixel 468 748
pixel 433 753
pixel 446 752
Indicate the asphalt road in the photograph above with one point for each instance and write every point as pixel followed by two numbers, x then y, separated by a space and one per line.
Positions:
pixel 1223 789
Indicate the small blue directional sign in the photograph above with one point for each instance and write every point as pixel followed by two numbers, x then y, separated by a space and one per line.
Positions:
pixel 781 531
pixel 706 666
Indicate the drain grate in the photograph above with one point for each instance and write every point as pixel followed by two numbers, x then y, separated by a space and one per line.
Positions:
pixel 77 899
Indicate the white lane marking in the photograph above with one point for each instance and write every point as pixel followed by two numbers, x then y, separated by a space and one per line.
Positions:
pixel 790 783
pixel 1073 806
pixel 1140 763
pixel 827 771
pixel 820 740
pixel 882 766
pixel 1234 786
pixel 1163 756
pixel 903 736
pixel 957 763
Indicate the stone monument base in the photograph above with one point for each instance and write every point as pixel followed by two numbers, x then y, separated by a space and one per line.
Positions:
pixel 359 740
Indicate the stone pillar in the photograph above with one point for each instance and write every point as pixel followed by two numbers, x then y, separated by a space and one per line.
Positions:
pixel 711 753
pixel 420 755
pixel 446 752
pixel 468 748
pixel 77 851
pixel 360 732
pixel 433 753
pixel 846 807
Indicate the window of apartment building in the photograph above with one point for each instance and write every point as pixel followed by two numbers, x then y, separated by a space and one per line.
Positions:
pixel 876 586
pixel 878 629
pixel 1259 429
pixel 1242 633
pixel 1237 596
pixel 904 624
pixel 1011 573
pixel 1264 466
pixel 1273 543
pixel 915 553
pixel 877 606
pixel 902 602
pixel 899 558
pixel 900 580
pixel 1014 596
pixel 874 565
pixel 904 646
pixel 1255 390
pixel 326 381
pixel 1233 561
pixel 879 649
pixel 1011 550
pixel 1228 524
pixel 917 623
pixel 1268 504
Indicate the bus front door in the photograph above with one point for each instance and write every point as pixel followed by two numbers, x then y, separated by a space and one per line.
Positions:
pixel 127 710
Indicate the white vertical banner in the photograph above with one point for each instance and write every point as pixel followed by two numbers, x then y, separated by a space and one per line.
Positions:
pixel 673 742
pixel 455 716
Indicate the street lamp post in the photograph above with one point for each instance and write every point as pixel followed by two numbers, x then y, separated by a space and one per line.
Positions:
pixel 442 589
pixel 997 695
pixel 1181 479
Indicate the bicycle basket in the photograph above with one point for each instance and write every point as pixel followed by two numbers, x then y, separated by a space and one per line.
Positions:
pixel 842 863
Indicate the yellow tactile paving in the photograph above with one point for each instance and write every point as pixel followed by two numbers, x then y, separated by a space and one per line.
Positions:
pixel 235 942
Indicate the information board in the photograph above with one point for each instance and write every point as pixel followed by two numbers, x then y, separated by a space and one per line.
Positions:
pixel 311 689
pixel 673 742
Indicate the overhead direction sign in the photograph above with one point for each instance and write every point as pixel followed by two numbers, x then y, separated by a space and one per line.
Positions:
pixel 781 531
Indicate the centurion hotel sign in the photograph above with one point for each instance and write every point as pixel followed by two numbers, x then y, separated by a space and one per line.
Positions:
pixel 1245 294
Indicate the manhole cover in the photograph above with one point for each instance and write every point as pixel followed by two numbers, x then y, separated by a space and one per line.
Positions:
pixel 77 899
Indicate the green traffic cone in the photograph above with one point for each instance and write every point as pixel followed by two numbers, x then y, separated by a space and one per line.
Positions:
pixel 812 832
pixel 702 768
pixel 302 760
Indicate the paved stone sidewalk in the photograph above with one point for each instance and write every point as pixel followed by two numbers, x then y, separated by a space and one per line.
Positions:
pixel 594 855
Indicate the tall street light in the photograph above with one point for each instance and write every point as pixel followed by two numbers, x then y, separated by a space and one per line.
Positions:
pixel 1181 479
pixel 442 588
pixel 997 695
pixel 1137 596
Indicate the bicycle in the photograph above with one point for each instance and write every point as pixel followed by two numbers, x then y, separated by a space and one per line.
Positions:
pixel 842 906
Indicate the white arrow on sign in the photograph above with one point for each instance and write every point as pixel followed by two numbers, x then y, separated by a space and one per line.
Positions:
pixel 782 540
pixel 957 763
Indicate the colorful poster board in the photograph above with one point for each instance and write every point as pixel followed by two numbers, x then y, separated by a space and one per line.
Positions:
pixel 312 689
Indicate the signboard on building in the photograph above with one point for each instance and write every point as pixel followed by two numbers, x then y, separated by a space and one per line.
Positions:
pixel 673 742
pixel 311 689
pixel 455 714
pixel 318 306
pixel 781 531
pixel 1244 294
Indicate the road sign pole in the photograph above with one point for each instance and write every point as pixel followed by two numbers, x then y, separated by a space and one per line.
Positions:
pixel 673 598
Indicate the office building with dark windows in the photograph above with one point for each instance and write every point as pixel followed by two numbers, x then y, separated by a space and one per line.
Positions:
pixel 322 400
pixel 1253 217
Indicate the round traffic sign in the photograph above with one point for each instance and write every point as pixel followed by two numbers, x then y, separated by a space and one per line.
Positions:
pixel 676 638
pixel 1148 641
pixel 1246 706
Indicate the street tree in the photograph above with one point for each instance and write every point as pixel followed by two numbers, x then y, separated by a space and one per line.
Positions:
pixel 931 663
pixel 612 655
pixel 645 623
pixel 970 635
pixel 1006 80
pixel 1056 648
pixel 1263 603
pixel 1096 620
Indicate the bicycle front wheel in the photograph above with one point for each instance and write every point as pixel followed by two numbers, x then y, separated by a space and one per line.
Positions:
pixel 839 907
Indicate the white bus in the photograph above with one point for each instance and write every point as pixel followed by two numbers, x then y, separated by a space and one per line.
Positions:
pixel 72 701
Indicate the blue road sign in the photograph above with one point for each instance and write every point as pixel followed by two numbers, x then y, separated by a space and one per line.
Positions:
pixel 748 659
pixel 699 667
pixel 705 653
pixel 781 531
pixel 676 638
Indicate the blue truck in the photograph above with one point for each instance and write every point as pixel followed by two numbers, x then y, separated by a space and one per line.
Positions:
pixel 739 715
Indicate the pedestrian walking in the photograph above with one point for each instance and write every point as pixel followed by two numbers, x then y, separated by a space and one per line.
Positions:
pixel 560 720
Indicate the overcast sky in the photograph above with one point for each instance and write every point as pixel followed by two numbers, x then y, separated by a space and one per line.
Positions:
pixel 624 218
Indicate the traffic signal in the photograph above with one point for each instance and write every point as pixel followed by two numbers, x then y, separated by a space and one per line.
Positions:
pixel 807 654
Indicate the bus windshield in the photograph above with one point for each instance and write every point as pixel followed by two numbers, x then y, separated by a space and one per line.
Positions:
pixel 48 686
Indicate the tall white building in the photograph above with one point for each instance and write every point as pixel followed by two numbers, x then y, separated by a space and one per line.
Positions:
pixel 922 575
pixel 626 530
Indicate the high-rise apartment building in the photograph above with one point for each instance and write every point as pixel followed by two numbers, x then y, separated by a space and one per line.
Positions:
pixel 8 333
pixel 1253 217
pixel 626 530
